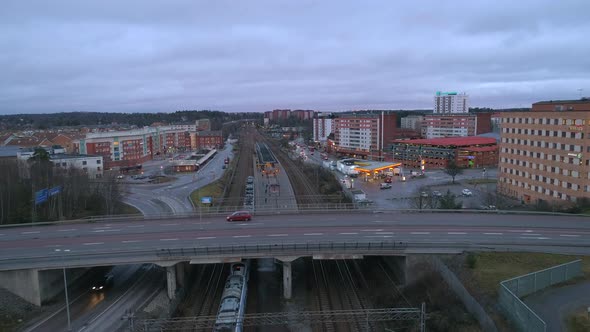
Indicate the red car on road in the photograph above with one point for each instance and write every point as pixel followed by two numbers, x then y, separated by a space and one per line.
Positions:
pixel 240 216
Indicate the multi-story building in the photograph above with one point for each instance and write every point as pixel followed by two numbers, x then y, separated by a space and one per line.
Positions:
pixel 322 126
pixel 91 165
pixel 413 122
pixel 209 139
pixel 451 103
pixel 437 152
pixel 303 114
pixel 364 134
pixel 203 124
pixel 545 153
pixel 456 125
pixel 125 148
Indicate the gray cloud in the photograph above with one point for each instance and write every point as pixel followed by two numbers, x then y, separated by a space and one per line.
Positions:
pixel 137 56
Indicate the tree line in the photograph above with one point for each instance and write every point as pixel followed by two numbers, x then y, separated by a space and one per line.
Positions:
pixel 79 196
pixel 73 119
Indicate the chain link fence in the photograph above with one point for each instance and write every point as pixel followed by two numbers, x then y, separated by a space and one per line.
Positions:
pixel 512 290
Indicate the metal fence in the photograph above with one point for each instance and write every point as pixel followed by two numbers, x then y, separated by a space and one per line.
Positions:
pixel 512 290
pixel 471 304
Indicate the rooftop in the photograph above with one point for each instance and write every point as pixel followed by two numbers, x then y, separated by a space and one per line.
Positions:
pixel 584 100
pixel 72 156
pixel 452 141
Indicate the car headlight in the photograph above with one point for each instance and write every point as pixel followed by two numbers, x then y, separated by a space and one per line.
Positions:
pixel 101 287
pixel 94 287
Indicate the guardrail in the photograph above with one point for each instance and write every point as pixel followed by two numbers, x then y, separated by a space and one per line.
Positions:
pixel 301 209
pixel 97 257
pixel 512 289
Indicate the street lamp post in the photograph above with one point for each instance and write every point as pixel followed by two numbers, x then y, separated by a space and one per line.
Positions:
pixel 66 287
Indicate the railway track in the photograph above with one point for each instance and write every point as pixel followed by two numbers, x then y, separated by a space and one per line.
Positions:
pixel 305 192
pixel 244 163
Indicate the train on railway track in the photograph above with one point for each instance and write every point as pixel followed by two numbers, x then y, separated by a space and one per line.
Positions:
pixel 233 300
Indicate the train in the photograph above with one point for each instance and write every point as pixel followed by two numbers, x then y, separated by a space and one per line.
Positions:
pixel 233 300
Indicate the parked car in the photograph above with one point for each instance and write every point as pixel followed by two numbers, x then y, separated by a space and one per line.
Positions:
pixel 239 216
pixel 466 192
pixel 437 193
pixel 388 179
pixel 424 194
pixel 103 282
pixel 385 186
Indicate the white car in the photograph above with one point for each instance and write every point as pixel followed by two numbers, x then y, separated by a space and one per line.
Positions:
pixel 466 192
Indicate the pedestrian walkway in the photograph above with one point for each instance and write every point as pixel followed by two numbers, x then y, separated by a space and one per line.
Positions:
pixel 555 304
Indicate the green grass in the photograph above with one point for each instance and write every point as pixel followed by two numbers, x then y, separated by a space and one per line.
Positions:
pixel 214 190
pixel 578 321
pixel 127 209
pixel 492 268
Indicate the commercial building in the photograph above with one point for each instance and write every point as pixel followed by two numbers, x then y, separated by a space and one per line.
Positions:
pixel 545 153
pixel 364 135
pixel 456 125
pixel 436 153
pixel 91 165
pixel 451 103
pixel 322 126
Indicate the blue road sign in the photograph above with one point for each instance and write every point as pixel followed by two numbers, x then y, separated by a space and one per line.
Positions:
pixel 41 196
pixel 54 191
pixel 206 200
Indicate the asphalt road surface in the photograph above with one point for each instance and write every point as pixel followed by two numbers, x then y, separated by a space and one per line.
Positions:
pixel 172 197
pixel 541 232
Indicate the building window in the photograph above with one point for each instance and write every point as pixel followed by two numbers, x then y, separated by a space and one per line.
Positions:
pixel 84 162
pixel 98 162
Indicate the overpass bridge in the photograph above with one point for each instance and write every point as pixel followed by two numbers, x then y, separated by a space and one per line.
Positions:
pixel 29 259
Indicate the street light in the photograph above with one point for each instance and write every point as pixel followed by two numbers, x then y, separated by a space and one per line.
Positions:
pixel 66 286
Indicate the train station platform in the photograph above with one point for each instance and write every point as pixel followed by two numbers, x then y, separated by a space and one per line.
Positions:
pixel 273 191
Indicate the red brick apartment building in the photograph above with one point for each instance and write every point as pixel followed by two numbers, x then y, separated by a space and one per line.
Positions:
pixel 545 153
pixel 131 147
pixel 364 135
pixel 456 125
pixel 209 139
pixel 437 152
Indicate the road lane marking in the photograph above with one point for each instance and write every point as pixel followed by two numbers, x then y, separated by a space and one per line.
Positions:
pixel 92 243
pixel 493 233
pixel 98 231
pixel 53 245
pixel 135 226
pixel 103 227
pixel 371 230
pixel 456 233
pixel 66 230
pixel 569 235
pixel 380 236
pixel 534 238
pixel 169 224
pixel 348 233
pixel 531 234
pixel 206 237
pixel 419 233
pixel 278 235
pixel 31 232
pixel 384 233
pixel 520 231
pixel 240 236
pixel 168 239
pixel 311 234
pixel 130 241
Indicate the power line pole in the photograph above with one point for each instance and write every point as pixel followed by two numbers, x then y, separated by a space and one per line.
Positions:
pixel 423 317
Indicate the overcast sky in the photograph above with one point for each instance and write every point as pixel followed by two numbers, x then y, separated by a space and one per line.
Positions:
pixel 163 56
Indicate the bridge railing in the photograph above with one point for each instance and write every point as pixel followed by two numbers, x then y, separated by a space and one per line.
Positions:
pixel 512 290
pixel 289 210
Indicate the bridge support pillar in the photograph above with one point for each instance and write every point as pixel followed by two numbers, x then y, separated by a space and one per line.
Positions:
pixel 287 287
pixel 171 281
pixel 181 274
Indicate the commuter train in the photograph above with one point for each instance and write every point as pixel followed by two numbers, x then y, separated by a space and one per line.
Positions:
pixel 233 300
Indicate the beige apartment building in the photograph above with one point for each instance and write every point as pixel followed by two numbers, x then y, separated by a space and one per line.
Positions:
pixel 545 153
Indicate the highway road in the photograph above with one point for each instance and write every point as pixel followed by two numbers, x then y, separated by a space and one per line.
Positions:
pixel 103 311
pixel 568 234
